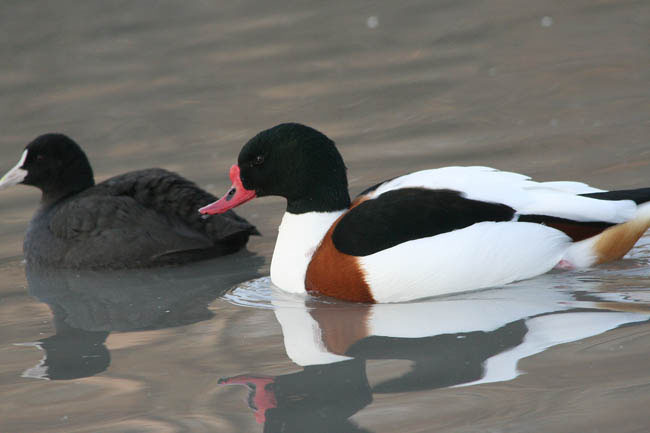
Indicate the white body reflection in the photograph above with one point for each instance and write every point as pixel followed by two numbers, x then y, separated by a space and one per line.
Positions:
pixel 318 331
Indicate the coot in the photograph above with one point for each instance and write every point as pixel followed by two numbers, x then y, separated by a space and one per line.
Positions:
pixel 138 219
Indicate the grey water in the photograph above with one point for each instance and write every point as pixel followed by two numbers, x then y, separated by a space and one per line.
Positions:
pixel 555 90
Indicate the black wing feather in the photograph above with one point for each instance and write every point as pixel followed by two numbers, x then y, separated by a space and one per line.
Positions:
pixel 144 218
pixel 640 195
pixel 410 213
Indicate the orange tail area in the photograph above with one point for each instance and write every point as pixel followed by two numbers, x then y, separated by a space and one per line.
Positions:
pixel 616 241
pixel 612 244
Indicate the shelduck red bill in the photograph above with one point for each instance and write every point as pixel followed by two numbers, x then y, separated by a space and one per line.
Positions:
pixel 235 196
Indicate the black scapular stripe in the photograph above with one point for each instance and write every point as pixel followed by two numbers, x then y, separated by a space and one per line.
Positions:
pixel 640 195
pixel 576 230
pixel 407 214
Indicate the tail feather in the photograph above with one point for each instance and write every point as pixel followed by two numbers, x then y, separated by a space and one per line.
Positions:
pixel 612 244
pixel 639 195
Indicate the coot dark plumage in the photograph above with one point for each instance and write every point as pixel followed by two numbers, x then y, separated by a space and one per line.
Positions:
pixel 138 219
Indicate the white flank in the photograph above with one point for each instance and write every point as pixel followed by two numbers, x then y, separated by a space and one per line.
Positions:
pixel 483 255
pixel 582 254
pixel 298 237
pixel 16 174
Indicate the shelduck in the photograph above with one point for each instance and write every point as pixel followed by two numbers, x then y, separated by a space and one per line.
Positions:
pixel 427 233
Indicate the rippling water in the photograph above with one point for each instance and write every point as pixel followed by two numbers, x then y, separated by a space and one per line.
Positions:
pixel 553 90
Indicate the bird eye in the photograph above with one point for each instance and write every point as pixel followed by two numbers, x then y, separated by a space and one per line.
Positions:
pixel 258 160
pixel 40 157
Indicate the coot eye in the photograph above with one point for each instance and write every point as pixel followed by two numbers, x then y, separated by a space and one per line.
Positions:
pixel 259 159
pixel 40 157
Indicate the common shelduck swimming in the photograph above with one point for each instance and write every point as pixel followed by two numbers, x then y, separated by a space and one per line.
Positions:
pixel 427 233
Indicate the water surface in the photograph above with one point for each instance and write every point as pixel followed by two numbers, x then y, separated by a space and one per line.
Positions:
pixel 553 90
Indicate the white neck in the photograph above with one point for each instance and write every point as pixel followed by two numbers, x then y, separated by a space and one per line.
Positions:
pixel 298 237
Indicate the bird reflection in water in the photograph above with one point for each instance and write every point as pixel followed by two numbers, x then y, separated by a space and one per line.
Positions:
pixel 88 305
pixel 460 340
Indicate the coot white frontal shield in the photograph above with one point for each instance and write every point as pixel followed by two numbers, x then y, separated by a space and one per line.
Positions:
pixel 16 174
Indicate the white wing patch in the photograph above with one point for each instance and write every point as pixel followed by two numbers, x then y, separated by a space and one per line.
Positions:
pixel 558 199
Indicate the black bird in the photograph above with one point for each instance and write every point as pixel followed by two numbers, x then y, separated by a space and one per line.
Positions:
pixel 138 219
